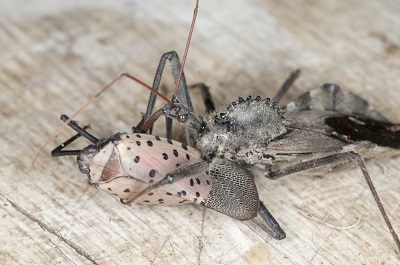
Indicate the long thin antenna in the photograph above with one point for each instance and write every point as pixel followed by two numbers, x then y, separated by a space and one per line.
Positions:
pixel 90 101
pixel 187 47
pixel 58 130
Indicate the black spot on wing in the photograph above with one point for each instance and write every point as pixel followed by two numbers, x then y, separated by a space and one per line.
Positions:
pixel 165 156
pixel 175 152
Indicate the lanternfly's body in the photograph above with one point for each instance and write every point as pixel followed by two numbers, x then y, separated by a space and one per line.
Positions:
pixel 147 169
pixel 129 163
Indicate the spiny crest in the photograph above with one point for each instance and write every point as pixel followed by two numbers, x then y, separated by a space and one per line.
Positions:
pixel 258 100
pixel 241 125
pixel 254 112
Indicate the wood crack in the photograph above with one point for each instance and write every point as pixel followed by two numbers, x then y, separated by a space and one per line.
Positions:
pixel 51 230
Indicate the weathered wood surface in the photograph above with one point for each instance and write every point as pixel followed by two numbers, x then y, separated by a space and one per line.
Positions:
pixel 57 54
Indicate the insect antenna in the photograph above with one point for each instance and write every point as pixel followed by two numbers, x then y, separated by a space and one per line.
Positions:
pixel 58 151
pixel 154 117
pixel 178 82
pixel 90 101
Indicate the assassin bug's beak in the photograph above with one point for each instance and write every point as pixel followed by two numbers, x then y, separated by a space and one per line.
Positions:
pixel 58 151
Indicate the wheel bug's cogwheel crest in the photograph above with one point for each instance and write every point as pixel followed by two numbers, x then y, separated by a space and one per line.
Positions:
pixel 246 124
pixel 249 99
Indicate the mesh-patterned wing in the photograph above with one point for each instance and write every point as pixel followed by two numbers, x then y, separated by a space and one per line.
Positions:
pixel 233 191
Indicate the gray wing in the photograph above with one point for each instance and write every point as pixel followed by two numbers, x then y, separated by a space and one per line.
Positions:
pixel 330 97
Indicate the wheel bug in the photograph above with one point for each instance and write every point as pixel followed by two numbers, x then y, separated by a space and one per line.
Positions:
pixel 322 127
pixel 329 127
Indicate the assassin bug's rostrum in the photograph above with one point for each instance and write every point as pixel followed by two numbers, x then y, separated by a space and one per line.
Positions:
pixel 326 115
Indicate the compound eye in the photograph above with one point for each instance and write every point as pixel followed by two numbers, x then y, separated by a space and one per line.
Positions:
pixel 84 170
pixel 182 118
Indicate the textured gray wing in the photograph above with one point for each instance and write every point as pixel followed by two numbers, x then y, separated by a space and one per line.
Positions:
pixel 233 191
pixel 330 97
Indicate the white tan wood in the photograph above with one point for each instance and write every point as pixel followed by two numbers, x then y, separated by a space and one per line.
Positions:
pixel 56 54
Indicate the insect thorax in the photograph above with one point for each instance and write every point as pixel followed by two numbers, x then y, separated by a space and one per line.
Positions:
pixel 241 131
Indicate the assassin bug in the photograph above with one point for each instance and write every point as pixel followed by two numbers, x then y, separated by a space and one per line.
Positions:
pixel 206 135
pixel 323 127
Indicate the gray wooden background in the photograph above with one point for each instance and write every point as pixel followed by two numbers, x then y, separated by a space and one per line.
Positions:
pixel 57 54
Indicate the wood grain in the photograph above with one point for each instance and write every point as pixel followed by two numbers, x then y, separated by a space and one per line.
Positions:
pixel 57 54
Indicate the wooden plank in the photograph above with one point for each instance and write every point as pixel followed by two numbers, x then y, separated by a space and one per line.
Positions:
pixel 57 54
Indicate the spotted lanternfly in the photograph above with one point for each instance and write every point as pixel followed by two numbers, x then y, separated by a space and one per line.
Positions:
pixel 147 169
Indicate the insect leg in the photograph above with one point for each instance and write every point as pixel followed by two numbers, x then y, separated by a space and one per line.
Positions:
pixel 183 92
pixel 205 93
pixel 267 222
pixel 184 171
pixel 335 158
pixel 286 85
